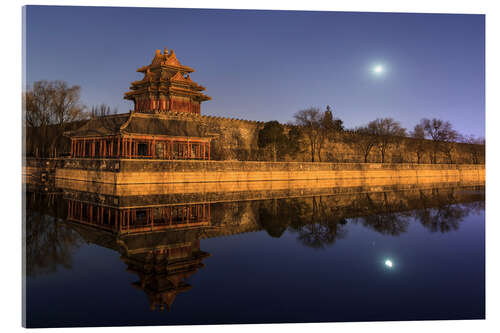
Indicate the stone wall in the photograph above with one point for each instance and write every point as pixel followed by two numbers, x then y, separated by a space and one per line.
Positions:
pixel 402 152
pixel 169 172
pixel 233 139
pixel 236 139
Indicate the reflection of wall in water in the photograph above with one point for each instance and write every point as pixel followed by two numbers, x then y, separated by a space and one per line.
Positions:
pixel 240 216
pixel 161 244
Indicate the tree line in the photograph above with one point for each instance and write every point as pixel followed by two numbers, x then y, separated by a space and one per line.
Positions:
pixel 54 107
pixel 319 221
pixel 50 109
pixel 314 129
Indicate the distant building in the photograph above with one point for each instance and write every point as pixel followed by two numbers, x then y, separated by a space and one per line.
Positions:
pixel 161 125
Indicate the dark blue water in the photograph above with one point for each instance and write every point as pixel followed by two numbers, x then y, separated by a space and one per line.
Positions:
pixel 412 264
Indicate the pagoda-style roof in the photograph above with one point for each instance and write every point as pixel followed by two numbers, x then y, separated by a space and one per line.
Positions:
pixel 166 86
pixel 166 60
pixel 134 123
pixel 161 126
pixel 100 126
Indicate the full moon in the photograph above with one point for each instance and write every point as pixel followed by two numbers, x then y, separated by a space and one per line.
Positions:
pixel 378 69
pixel 388 263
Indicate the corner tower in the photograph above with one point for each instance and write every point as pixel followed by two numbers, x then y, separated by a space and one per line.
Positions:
pixel 166 86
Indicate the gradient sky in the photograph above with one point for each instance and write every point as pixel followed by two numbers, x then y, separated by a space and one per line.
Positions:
pixel 267 65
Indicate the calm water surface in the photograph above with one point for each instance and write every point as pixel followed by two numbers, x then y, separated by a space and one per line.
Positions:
pixel 359 257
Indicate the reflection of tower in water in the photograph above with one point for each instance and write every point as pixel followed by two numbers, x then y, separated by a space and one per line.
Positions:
pixel 159 238
pixel 143 219
pixel 159 244
pixel 163 272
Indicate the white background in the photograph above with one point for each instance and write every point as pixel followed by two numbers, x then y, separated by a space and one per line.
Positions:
pixel 10 150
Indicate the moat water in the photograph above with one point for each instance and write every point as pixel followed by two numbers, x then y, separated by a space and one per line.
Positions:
pixel 93 260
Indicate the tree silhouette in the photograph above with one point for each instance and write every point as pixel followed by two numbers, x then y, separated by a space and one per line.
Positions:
pixel 273 138
pixel 417 142
pixel 329 129
pixel 442 135
pixel 49 241
pixel 309 122
pixel 386 132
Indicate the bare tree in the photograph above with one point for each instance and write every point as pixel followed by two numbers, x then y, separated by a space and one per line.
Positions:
pixel 38 115
pixel 475 147
pixel 442 135
pixel 66 105
pixel 49 106
pixel 317 127
pixel 387 132
pixel 309 121
pixel 102 111
pixel 38 103
pixel 417 142
pixel 363 139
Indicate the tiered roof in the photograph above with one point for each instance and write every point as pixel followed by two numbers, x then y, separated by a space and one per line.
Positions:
pixel 139 124
pixel 167 103
pixel 169 124
pixel 165 78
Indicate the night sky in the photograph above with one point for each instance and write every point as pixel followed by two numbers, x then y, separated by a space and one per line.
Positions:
pixel 267 65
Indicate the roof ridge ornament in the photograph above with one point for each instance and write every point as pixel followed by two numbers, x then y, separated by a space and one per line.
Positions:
pixel 126 123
